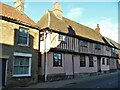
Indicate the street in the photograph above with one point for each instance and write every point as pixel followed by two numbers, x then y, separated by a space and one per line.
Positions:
pixel 104 82
pixel 109 81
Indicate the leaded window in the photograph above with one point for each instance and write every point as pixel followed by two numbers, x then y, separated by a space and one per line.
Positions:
pixel 82 61
pixel 57 59
pixel 91 63
pixel 23 36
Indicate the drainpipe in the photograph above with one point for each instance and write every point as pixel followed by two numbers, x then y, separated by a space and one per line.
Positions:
pixel 73 66
pixel 45 57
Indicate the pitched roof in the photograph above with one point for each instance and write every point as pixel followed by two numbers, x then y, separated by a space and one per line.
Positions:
pixel 112 43
pixel 51 21
pixel 12 13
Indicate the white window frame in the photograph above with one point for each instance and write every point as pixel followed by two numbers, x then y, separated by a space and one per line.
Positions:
pixel 24 55
pixel 27 38
pixel 63 38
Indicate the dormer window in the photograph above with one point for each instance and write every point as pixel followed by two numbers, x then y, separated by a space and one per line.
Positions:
pixel 23 37
pixel 97 47
pixel 83 43
pixel 62 38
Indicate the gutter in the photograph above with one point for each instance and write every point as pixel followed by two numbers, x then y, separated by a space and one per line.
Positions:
pixel 17 22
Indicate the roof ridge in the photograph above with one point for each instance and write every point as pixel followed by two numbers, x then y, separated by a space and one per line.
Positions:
pixel 78 23
pixel 48 12
pixel 84 26
pixel 22 17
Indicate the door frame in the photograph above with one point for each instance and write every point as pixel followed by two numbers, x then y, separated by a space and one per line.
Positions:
pixel 98 64
pixel 5 70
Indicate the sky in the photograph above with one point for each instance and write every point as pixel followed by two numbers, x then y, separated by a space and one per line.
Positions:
pixel 86 12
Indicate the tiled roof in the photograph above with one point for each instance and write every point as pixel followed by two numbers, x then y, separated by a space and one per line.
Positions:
pixel 51 21
pixel 112 43
pixel 12 13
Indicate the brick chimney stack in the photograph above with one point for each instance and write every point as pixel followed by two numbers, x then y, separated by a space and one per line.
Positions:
pixel 57 10
pixel 19 5
pixel 97 29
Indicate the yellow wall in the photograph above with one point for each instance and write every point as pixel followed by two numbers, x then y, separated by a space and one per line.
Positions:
pixel 7 30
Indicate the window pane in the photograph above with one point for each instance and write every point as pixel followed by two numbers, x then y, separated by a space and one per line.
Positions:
pixel 57 59
pixel 22 62
pixel 20 40
pixel 103 61
pixel 91 61
pixel 82 61
pixel 24 40
pixel 16 70
pixel 20 71
pixel 23 32
pixel 59 56
pixel 26 70
pixel 26 61
pixel 60 37
pixel 17 61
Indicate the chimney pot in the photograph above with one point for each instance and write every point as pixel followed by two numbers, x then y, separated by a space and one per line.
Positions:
pixel 97 29
pixel 19 5
pixel 57 10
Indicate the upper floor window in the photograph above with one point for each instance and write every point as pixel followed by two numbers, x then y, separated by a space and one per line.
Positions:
pixel 57 59
pixel 107 48
pixel 83 43
pixel 113 50
pixel 97 46
pixel 91 64
pixel 82 61
pixel 116 51
pixel 62 38
pixel 23 37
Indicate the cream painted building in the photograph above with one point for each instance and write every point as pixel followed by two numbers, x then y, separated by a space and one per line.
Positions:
pixel 20 45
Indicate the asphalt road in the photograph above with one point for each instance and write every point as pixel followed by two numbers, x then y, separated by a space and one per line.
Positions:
pixel 109 81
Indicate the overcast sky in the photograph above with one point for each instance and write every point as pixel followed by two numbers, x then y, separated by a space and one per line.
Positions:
pixel 87 12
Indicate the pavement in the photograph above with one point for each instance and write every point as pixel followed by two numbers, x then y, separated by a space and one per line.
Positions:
pixel 62 83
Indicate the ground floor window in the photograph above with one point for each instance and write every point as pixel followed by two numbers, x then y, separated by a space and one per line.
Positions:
pixel 82 61
pixel 22 64
pixel 108 61
pixel 103 61
pixel 91 64
pixel 57 59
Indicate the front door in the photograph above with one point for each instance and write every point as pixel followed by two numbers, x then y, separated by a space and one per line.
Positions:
pixel 99 64
pixel 4 68
pixel 68 65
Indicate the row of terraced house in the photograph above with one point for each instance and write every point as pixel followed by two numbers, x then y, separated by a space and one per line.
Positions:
pixel 54 48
